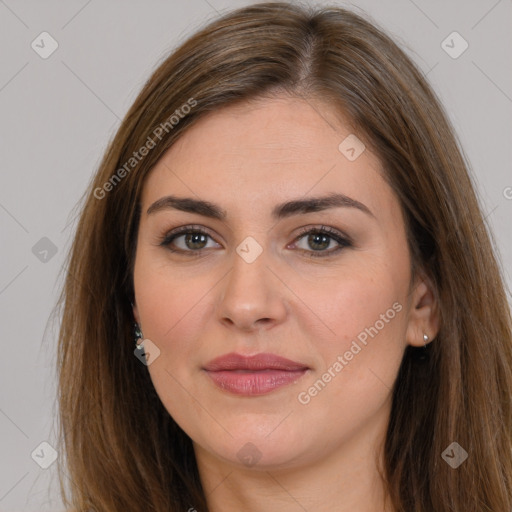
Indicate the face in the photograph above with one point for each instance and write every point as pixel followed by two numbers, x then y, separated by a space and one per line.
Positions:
pixel 264 269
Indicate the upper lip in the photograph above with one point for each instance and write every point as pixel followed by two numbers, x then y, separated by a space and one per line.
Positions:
pixel 263 361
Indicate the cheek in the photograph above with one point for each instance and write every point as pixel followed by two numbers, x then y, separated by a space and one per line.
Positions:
pixel 169 303
pixel 173 309
pixel 358 361
pixel 361 304
pixel 360 342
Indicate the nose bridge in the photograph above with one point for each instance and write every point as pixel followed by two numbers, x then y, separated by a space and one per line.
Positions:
pixel 251 292
pixel 248 279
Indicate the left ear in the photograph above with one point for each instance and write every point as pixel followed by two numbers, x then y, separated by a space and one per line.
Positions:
pixel 423 315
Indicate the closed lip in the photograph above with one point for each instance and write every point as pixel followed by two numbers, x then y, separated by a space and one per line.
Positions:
pixel 258 362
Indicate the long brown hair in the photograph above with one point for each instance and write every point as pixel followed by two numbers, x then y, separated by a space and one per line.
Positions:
pixel 123 450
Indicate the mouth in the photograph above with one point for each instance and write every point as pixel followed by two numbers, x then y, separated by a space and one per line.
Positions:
pixel 254 375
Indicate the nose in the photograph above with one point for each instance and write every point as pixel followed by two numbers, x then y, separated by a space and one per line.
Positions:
pixel 252 296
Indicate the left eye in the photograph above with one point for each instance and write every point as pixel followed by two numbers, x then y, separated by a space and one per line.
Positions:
pixel 321 239
pixel 195 240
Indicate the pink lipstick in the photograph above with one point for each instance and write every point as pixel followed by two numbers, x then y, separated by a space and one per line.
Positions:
pixel 253 375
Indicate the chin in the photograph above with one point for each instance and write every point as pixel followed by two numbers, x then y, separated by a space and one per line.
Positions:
pixel 254 448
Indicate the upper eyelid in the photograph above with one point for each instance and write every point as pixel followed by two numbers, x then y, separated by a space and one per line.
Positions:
pixel 181 230
pixel 324 229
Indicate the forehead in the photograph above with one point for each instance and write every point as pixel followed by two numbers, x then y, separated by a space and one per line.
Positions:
pixel 284 128
pixel 268 150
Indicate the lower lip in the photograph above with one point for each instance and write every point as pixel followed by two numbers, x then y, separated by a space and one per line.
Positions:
pixel 254 383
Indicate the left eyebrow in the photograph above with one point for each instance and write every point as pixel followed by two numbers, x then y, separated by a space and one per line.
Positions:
pixel 316 204
pixel 281 211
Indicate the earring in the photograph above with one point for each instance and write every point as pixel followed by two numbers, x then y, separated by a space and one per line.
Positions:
pixel 421 353
pixel 138 335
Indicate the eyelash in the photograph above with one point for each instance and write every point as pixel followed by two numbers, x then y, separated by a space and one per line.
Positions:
pixel 335 235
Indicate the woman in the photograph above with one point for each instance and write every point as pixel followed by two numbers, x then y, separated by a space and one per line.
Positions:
pixel 282 294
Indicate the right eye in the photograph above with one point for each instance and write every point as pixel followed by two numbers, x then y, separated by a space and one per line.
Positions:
pixel 193 240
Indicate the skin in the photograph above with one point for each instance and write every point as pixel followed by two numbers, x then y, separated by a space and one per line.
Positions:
pixel 247 159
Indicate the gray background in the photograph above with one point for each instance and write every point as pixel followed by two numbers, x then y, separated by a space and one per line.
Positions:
pixel 57 115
